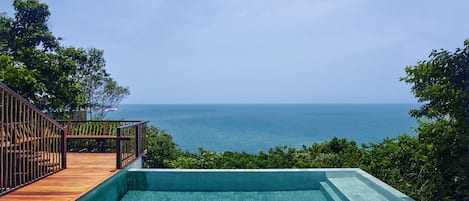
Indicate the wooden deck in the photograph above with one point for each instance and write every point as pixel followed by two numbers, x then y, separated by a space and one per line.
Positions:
pixel 84 172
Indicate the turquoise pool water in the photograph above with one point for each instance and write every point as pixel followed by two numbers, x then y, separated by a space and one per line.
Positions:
pixel 233 185
pixel 306 195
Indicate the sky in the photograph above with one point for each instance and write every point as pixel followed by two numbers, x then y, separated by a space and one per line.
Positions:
pixel 261 51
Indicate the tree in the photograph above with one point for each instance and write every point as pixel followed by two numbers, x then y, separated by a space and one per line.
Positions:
pixel 396 161
pixel 161 148
pixel 103 93
pixel 108 96
pixel 92 76
pixel 442 84
pixel 17 75
pixel 56 79
pixel 65 93
pixel 36 54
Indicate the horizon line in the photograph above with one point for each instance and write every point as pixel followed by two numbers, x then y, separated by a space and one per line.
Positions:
pixel 292 103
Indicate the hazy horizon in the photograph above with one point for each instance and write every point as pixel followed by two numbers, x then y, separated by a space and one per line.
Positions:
pixel 285 103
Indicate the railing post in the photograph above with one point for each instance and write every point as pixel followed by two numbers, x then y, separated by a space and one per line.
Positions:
pixel 137 141
pixel 105 128
pixel 69 125
pixel 64 149
pixel 144 138
pixel 118 149
pixel 13 133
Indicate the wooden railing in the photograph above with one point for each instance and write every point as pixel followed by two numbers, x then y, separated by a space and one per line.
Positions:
pixel 125 138
pixel 31 143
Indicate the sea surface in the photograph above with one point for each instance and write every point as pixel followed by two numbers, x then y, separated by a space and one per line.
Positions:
pixel 258 127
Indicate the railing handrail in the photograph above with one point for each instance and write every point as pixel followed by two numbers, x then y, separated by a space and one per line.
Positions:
pixel 85 121
pixel 134 124
pixel 11 92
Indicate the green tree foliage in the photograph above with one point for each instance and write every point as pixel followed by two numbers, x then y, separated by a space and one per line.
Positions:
pixel 108 96
pixel 54 78
pixel 442 84
pixel 395 161
pixel 92 75
pixel 163 152
pixel 102 91
pixel 17 74
pixel 161 148
pixel 28 41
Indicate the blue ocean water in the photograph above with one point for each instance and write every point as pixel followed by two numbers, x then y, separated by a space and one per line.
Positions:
pixel 257 127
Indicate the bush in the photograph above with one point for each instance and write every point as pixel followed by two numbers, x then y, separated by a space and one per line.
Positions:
pixel 161 148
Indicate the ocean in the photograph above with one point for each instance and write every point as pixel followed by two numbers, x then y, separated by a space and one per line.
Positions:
pixel 258 127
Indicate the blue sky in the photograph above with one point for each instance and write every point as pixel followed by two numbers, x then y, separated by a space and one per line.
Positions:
pixel 261 51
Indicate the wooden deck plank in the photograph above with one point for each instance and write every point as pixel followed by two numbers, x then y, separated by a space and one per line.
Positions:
pixel 84 172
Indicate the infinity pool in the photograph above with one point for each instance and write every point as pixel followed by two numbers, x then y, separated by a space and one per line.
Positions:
pixel 231 185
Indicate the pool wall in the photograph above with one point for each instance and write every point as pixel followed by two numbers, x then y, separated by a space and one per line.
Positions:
pixel 113 188
pixel 223 180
